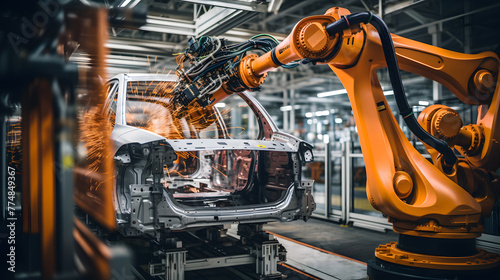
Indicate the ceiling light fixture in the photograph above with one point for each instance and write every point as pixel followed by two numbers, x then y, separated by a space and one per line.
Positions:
pixel 331 93
pixel 125 3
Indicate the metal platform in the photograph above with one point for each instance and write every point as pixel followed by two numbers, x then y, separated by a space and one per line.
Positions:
pixel 246 253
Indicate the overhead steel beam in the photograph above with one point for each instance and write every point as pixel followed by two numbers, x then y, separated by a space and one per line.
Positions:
pixel 240 35
pixel 253 6
pixel 300 5
pixel 364 5
pixel 423 20
pixel 416 16
pixel 169 25
pixel 381 8
pixel 162 8
pixel 147 47
pixel 400 6
pixel 288 11
pixel 274 6
pixel 409 30
pixel 219 20
pixel 214 22
pixel 395 7
pixel 115 60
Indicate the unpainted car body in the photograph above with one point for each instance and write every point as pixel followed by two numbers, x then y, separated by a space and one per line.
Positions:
pixel 178 172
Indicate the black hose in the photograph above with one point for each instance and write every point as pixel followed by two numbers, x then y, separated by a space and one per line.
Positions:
pixel 397 85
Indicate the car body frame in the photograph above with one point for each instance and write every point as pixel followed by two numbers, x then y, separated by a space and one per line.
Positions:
pixel 188 181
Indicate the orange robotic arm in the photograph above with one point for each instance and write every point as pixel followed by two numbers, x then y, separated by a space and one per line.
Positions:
pixel 443 200
pixel 437 208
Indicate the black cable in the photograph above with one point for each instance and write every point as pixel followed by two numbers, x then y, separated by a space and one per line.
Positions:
pixel 228 53
pixel 397 85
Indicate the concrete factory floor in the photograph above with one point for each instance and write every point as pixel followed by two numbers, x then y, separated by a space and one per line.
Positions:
pixel 327 250
pixel 316 249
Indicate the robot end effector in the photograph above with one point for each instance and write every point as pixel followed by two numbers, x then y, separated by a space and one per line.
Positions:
pixel 218 69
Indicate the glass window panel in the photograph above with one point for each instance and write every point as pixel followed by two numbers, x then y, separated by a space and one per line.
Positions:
pixel 316 171
pixel 149 107
pixel 360 201
pixel 335 183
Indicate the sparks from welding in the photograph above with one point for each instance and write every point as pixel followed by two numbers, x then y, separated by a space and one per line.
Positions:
pixel 95 132
pixel 147 86
pixel 219 171
pixel 13 142
pixel 171 127
pixel 168 172
pixel 212 166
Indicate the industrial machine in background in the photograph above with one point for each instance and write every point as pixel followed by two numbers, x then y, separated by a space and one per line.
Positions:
pixel 437 208
pixel 45 90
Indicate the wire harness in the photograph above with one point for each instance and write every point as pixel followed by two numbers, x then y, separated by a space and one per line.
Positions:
pixel 213 63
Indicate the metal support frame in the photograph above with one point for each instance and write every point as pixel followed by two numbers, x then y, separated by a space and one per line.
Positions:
pixel 344 186
pixel 381 8
pixel 405 31
pixel 333 215
pixel 346 214
pixel 348 183
pixel 134 46
pixel 175 262
pixel 267 258
pixel 292 103
pixel 435 32
pixel 219 262
pixel 263 251
pixel 328 172
pixel 467 28
pixel 253 6
pixel 219 20
pixel 172 26
pixel 174 265
pixel 360 220
pixel 285 103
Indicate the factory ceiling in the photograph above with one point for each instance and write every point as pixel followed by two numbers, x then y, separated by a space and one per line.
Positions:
pixel 463 26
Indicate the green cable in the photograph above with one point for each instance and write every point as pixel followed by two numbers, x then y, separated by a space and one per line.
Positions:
pixel 199 40
pixel 268 35
pixel 370 18
pixel 408 115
